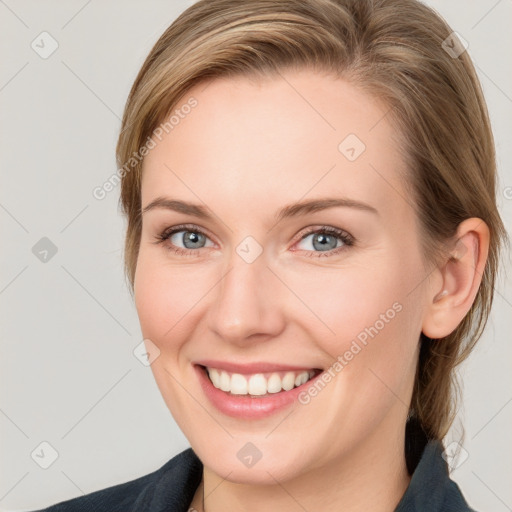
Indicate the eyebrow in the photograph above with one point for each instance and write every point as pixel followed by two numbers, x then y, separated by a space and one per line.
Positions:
pixel 289 211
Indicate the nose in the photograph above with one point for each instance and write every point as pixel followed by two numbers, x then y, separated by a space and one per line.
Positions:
pixel 245 306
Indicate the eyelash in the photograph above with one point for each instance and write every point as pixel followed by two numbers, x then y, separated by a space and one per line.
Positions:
pixel 347 239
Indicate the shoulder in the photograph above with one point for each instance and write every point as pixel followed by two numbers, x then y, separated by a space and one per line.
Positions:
pixel 431 488
pixel 170 487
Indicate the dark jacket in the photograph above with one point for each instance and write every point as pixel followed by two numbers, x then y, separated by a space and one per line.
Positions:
pixel 172 487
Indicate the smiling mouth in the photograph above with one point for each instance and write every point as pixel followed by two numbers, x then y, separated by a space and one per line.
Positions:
pixel 258 385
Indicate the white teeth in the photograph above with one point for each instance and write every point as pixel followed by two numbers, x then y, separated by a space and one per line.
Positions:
pixel 302 378
pixel 225 381
pixel 274 383
pixel 238 384
pixel 257 384
pixel 215 377
pixel 289 381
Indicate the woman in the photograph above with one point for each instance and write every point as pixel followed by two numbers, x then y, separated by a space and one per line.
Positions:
pixel 312 244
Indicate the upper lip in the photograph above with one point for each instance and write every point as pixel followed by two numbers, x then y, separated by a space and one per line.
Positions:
pixel 249 368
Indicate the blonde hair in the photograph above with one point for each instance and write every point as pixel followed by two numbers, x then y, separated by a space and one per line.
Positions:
pixel 395 49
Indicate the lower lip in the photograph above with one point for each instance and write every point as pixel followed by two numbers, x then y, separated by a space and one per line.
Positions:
pixel 244 406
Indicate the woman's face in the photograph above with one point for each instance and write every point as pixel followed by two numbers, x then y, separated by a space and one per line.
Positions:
pixel 253 280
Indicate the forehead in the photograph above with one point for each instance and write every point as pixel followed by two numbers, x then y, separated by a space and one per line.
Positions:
pixel 300 134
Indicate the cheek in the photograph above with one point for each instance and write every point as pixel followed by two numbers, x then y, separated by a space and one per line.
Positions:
pixel 348 300
pixel 166 300
pixel 165 297
pixel 369 321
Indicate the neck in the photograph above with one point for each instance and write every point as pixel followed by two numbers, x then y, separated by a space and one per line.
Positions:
pixel 372 476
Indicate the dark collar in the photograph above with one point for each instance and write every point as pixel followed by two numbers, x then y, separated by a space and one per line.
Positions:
pixel 430 488
pixel 171 488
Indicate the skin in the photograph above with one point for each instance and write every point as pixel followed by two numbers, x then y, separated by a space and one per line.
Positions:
pixel 248 149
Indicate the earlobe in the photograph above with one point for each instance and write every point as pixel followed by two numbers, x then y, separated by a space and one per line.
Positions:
pixel 461 277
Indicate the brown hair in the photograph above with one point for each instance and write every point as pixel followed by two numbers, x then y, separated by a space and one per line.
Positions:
pixel 399 51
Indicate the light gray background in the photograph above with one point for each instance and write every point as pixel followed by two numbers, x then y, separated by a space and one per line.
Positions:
pixel 68 374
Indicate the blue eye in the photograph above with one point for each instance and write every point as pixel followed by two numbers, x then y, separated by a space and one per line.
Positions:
pixel 192 236
pixel 323 243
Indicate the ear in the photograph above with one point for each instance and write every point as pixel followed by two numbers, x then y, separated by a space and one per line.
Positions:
pixel 461 275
